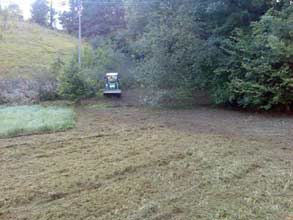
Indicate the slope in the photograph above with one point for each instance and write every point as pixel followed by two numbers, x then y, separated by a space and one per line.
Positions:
pixel 27 50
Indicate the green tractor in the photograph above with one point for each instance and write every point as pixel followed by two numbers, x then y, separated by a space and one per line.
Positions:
pixel 112 85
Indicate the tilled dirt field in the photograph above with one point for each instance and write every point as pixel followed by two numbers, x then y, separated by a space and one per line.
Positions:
pixel 130 163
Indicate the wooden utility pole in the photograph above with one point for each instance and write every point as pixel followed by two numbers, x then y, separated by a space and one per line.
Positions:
pixel 51 14
pixel 79 31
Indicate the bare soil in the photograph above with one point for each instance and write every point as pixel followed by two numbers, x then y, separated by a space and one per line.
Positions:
pixel 127 162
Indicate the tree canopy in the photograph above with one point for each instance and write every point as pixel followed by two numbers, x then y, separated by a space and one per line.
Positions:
pixel 98 17
pixel 40 10
pixel 239 51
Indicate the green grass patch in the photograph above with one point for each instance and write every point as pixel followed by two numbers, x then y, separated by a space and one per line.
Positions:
pixel 27 50
pixel 20 120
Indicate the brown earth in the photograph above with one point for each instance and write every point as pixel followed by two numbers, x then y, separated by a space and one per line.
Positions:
pixel 128 162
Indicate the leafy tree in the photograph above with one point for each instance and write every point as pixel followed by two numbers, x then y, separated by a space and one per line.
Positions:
pixel 73 84
pixel 14 11
pixel 40 12
pixel 167 51
pixel 239 51
pixel 99 18
pixel 69 19
pixel 259 73
pixel 211 44
pixel 75 81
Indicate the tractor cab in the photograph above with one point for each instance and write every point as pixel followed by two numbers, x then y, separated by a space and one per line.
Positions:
pixel 112 85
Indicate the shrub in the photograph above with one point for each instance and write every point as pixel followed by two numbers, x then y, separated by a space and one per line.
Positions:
pixel 74 83
pixel 81 81
pixel 259 72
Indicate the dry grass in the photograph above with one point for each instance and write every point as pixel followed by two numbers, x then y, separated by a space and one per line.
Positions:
pixel 115 169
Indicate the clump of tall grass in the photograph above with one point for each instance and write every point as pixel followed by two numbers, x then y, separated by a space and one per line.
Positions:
pixel 19 120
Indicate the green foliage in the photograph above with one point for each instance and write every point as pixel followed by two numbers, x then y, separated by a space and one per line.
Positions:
pixel 34 119
pixel 115 47
pixel 40 12
pixel 259 74
pixel 69 19
pixel 10 14
pixel 80 81
pixel 56 66
pixel 99 18
pixel 240 51
pixel 167 54
pixel 75 82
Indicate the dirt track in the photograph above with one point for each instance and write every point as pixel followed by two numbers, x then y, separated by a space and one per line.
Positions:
pixel 125 162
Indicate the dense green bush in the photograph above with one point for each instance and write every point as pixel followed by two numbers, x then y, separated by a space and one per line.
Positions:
pixel 239 51
pixel 259 71
pixel 81 81
pixel 74 84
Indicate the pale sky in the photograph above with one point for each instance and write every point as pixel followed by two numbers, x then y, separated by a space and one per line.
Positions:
pixel 25 5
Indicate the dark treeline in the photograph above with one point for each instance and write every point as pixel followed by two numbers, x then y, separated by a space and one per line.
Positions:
pixel 240 51
pixel 99 18
pixel 43 13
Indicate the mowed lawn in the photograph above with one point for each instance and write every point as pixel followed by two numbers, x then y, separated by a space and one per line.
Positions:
pixel 135 164
pixel 18 120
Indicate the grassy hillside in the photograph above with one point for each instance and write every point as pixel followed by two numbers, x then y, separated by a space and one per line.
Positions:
pixel 27 50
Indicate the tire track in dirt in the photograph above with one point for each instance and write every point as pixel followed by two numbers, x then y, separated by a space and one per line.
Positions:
pixel 131 163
